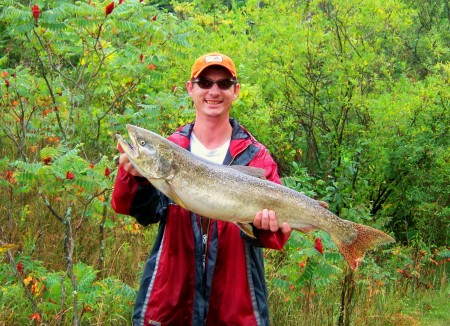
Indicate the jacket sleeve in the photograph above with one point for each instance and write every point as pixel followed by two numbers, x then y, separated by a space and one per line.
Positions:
pixel 267 238
pixel 137 197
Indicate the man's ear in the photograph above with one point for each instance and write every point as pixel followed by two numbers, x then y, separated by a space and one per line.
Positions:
pixel 237 88
pixel 189 87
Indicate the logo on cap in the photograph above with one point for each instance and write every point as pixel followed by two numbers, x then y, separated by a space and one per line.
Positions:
pixel 213 58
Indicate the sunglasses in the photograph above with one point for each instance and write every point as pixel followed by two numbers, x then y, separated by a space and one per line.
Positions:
pixel 205 83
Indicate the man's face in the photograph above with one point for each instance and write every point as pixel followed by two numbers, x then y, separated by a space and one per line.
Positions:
pixel 213 102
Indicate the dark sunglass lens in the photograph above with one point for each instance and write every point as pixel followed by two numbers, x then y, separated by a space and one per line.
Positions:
pixel 205 83
pixel 225 83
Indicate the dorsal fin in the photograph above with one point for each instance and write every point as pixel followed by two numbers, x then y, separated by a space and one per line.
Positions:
pixel 250 170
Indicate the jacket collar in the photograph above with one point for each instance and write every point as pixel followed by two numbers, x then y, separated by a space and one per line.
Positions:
pixel 241 141
pixel 238 134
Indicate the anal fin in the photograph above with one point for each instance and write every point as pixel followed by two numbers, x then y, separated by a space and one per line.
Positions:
pixel 246 228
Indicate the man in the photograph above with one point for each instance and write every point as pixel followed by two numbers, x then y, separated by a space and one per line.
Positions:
pixel 201 271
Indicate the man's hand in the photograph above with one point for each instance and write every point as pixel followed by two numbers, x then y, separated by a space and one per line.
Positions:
pixel 126 164
pixel 267 220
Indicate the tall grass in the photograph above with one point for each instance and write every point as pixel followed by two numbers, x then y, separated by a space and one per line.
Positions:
pixel 106 296
pixel 372 303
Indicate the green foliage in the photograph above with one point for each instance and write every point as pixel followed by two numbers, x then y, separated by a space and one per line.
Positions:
pixel 53 294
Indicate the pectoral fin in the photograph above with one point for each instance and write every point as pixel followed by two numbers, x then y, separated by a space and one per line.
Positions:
pixel 163 186
pixel 173 195
pixel 246 228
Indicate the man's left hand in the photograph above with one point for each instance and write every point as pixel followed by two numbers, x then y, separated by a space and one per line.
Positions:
pixel 267 220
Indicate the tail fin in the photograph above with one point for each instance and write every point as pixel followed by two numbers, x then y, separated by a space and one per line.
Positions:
pixel 366 239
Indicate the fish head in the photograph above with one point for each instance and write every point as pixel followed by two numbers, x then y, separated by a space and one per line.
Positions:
pixel 150 153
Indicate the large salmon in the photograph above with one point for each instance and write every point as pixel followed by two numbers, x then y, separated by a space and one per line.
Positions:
pixel 236 194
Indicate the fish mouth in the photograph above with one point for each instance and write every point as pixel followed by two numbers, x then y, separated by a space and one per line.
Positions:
pixel 128 148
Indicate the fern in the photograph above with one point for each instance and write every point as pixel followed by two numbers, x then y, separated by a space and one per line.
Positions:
pixel 132 51
pixel 59 13
pixel 50 307
pixel 36 267
pixel 182 39
pixel 27 170
pixel 333 257
pixel 117 286
pixel 6 3
pixel 125 9
pixel 85 275
pixel 52 152
pixel 124 25
pixel 87 185
pixel 53 283
pixel 67 157
pixel 83 22
pixel 280 284
pixel 21 29
pixel 148 107
pixel 325 273
pixel 54 26
pixel 14 15
pixel 307 275
pixel 444 253
pixel 83 9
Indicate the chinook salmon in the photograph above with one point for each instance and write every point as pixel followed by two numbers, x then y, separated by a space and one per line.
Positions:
pixel 236 193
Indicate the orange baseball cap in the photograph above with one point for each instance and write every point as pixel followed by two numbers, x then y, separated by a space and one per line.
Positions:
pixel 213 59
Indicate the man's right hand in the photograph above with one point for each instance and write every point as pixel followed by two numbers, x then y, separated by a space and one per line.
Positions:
pixel 126 164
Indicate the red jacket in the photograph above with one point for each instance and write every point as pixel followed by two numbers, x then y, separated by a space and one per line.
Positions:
pixel 178 287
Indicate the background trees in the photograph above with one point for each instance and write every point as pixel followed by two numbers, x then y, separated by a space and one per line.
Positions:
pixel 351 98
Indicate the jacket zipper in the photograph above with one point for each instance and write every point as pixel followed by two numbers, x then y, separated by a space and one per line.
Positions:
pixel 237 154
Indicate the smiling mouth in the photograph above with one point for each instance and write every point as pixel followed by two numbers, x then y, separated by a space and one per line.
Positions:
pixel 213 101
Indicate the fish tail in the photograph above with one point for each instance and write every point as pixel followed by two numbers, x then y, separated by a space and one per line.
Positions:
pixel 366 239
